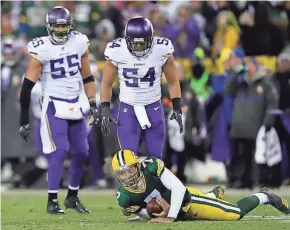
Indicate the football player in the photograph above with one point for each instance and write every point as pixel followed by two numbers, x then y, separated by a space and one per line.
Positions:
pixel 139 60
pixel 142 181
pixel 61 61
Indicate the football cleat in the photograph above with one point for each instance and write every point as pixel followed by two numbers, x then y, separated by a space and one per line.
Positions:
pixel 75 204
pixel 276 201
pixel 219 192
pixel 53 207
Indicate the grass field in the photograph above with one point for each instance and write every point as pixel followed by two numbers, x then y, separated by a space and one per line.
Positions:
pixel 24 209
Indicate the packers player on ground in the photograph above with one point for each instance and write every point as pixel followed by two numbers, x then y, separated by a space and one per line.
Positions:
pixel 142 181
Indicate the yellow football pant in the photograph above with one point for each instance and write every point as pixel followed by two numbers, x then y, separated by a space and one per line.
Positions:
pixel 202 207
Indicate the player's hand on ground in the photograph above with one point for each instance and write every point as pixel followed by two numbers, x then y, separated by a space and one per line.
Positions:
pixel 177 115
pixel 165 207
pixel 24 131
pixel 125 213
pixel 93 115
pixel 162 220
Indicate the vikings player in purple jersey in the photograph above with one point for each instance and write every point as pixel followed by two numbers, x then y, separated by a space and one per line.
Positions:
pixel 139 59
pixel 61 61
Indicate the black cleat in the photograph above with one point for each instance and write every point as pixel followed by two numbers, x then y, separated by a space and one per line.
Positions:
pixel 75 204
pixel 276 201
pixel 219 192
pixel 53 207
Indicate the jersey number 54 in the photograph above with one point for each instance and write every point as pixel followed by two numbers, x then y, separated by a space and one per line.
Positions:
pixel 133 81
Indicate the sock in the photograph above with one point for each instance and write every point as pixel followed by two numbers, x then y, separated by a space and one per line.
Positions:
pixel 211 194
pixel 72 192
pixel 263 198
pixel 52 196
pixel 247 204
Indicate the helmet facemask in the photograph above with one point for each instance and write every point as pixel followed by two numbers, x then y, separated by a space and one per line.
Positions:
pixel 139 46
pixel 59 33
pixel 129 176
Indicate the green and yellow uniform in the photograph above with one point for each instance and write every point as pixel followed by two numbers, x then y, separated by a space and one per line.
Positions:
pixel 195 205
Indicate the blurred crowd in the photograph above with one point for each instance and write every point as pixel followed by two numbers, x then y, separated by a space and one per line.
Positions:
pixel 233 62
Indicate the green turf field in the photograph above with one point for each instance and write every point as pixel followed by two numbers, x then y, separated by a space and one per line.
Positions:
pixel 26 210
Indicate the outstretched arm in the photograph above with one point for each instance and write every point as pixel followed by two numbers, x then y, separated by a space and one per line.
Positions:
pixel 171 182
pixel 31 76
pixel 109 74
pixel 170 72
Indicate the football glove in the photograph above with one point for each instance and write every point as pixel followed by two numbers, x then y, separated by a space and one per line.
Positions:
pixel 106 118
pixel 25 131
pixel 93 113
pixel 177 115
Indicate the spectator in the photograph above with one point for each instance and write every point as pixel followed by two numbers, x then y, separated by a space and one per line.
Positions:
pixel 32 19
pixel 201 23
pixel 108 11
pixel 199 82
pixel 259 36
pixel 283 80
pixel 12 70
pixel 254 95
pixel 136 8
pixel 162 27
pixel 227 34
pixel 186 33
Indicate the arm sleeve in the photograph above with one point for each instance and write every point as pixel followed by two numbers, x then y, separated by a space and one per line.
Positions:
pixel 272 101
pixel 171 182
pixel 25 97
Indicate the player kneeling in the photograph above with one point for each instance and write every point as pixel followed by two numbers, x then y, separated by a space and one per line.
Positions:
pixel 143 181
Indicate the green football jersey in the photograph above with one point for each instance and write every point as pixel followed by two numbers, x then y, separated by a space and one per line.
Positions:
pixel 133 200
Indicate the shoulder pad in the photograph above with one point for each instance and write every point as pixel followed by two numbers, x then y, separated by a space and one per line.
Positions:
pixel 82 40
pixel 113 49
pixel 35 47
pixel 164 45
pixel 154 165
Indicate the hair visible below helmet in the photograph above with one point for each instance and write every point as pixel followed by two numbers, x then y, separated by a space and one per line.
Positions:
pixel 124 161
pixel 139 36
pixel 59 16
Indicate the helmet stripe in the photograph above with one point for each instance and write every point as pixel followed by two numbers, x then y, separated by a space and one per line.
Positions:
pixel 123 158
pixel 120 158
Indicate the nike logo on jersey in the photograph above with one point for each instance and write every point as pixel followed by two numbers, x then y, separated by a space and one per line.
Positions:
pixel 125 110
pixel 157 108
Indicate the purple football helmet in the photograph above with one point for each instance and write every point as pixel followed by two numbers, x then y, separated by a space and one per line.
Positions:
pixel 59 16
pixel 139 36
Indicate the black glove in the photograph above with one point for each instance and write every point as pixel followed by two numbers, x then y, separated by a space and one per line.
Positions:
pixel 106 118
pixel 24 131
pixel 177 113
pixel 93 113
